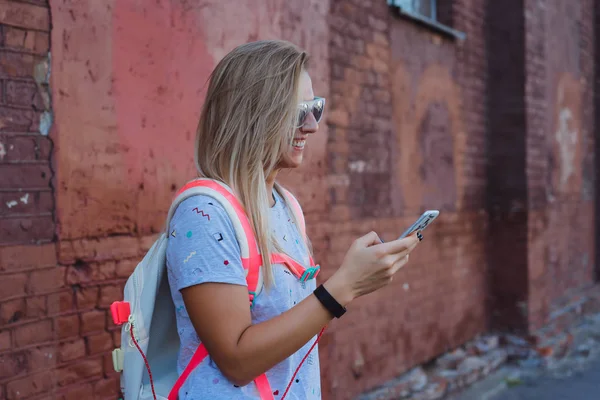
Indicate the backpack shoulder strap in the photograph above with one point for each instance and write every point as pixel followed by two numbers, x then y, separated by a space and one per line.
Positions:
pixel 251 259
pixel 296 209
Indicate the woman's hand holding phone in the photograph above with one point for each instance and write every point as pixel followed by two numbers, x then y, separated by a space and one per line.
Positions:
pixel 369 265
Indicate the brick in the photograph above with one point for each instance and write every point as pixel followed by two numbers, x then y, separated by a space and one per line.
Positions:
pixel 16 231
pixel 30 202
pixel 12 285
pixel 24 15
pixel 117 337
pixel 100 343
pixel 109 294
pixel 20 93
pixel 125 268
pixel 79 273
pixel 108 365
pixel 42 281
pixel 87 297
pixel 36 307
pixel 12 364
pixel 92 321
pixel 41 42
pixel 60 302
pixel 35 332
pixel 44 148
pixel 5 340
pixel 106 388
pixel 25 176
pixel 28 40
pixel 104 271
pixel 72 350
pixel 14 37
pixel 27 257
pixel 42 358
pixel 77 391
pixel 79 371
pixel 17 119
pixel 12 311
pixel 67 326
pixel 111 248
pixel 17 65
pixel 18 148
pixel 26 387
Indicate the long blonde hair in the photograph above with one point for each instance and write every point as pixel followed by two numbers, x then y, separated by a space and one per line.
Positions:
pixel 248 121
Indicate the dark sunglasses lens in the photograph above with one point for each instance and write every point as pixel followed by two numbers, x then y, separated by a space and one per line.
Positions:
pixel 301 117
pixel 318 110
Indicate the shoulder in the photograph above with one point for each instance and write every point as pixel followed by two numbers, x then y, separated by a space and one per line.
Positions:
pixel 290 198
pixel 200 210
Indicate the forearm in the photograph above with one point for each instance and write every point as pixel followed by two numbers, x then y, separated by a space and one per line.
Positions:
pixel 264 345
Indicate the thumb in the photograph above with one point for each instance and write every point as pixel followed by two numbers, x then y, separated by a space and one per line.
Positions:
pixel 368 240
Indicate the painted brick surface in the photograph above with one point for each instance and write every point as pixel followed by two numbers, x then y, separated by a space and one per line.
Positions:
pixel 496 131
pixel 29 271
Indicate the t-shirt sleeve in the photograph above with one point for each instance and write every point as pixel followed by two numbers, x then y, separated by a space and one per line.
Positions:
pixel 202 245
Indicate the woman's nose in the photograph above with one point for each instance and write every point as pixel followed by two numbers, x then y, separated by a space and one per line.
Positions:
pixel 310 124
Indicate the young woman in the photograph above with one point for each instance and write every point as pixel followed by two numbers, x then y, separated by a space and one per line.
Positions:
pixel 259 112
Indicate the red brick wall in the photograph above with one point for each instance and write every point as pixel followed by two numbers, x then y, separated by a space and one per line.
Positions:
pixel 506 153
pixel 560 142
pixel 415 120
pixel 25 173
pixel 29 276
pixel 406 120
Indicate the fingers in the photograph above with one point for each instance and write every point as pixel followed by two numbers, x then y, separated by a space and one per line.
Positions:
pixel 391 259
pixel 368 240
pixel 397 246
pixel 399 264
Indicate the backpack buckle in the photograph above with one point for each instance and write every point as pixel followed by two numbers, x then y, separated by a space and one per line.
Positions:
pixel 310 273
pixel 117 359
pixel 120 311
pixel 252 296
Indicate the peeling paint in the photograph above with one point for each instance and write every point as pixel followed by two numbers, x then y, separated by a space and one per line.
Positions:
pixel 41 75
pixel 25 198
pixel 357 166
pixel 12 203
pixel 45 123
pixel 2 151
pixel 567 137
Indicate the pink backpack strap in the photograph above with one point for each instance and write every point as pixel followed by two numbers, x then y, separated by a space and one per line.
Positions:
pixel 251 259
pixel 251 262
pixel 303 274
pixel 296 209
pixel 299 214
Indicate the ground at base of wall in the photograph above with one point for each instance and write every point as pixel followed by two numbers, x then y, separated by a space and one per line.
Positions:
pixel 564 346
pixel 575 375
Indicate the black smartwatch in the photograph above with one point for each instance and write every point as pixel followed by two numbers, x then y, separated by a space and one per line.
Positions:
pixel 331 304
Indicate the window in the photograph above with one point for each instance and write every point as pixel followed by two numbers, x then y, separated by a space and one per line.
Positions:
pixel 426 8
pixel 426 13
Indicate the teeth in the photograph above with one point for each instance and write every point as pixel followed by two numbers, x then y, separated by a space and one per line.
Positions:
pixel 299 143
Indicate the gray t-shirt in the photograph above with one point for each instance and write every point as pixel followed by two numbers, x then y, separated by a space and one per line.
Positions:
pixel 203 248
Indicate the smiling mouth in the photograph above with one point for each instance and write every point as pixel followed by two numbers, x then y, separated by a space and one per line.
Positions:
pixel 299 143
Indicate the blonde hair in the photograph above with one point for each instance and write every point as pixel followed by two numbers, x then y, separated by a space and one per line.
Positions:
pixel 247 123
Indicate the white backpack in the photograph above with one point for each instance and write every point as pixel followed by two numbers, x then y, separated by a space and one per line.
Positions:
pixel 147 358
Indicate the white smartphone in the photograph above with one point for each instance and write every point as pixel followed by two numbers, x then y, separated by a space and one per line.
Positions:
pixel 421 223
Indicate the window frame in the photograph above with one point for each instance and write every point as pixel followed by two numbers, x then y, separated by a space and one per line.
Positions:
pixel 429 21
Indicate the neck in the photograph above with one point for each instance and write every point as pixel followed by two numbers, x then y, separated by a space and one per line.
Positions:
pixel 270 184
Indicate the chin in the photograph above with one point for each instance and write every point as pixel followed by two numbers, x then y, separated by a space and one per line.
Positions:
pixel 291 162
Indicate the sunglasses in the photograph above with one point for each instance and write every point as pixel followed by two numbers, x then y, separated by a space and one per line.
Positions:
pixel 315 106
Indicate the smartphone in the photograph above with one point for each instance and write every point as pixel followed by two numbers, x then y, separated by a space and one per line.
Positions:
pixel 420 224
